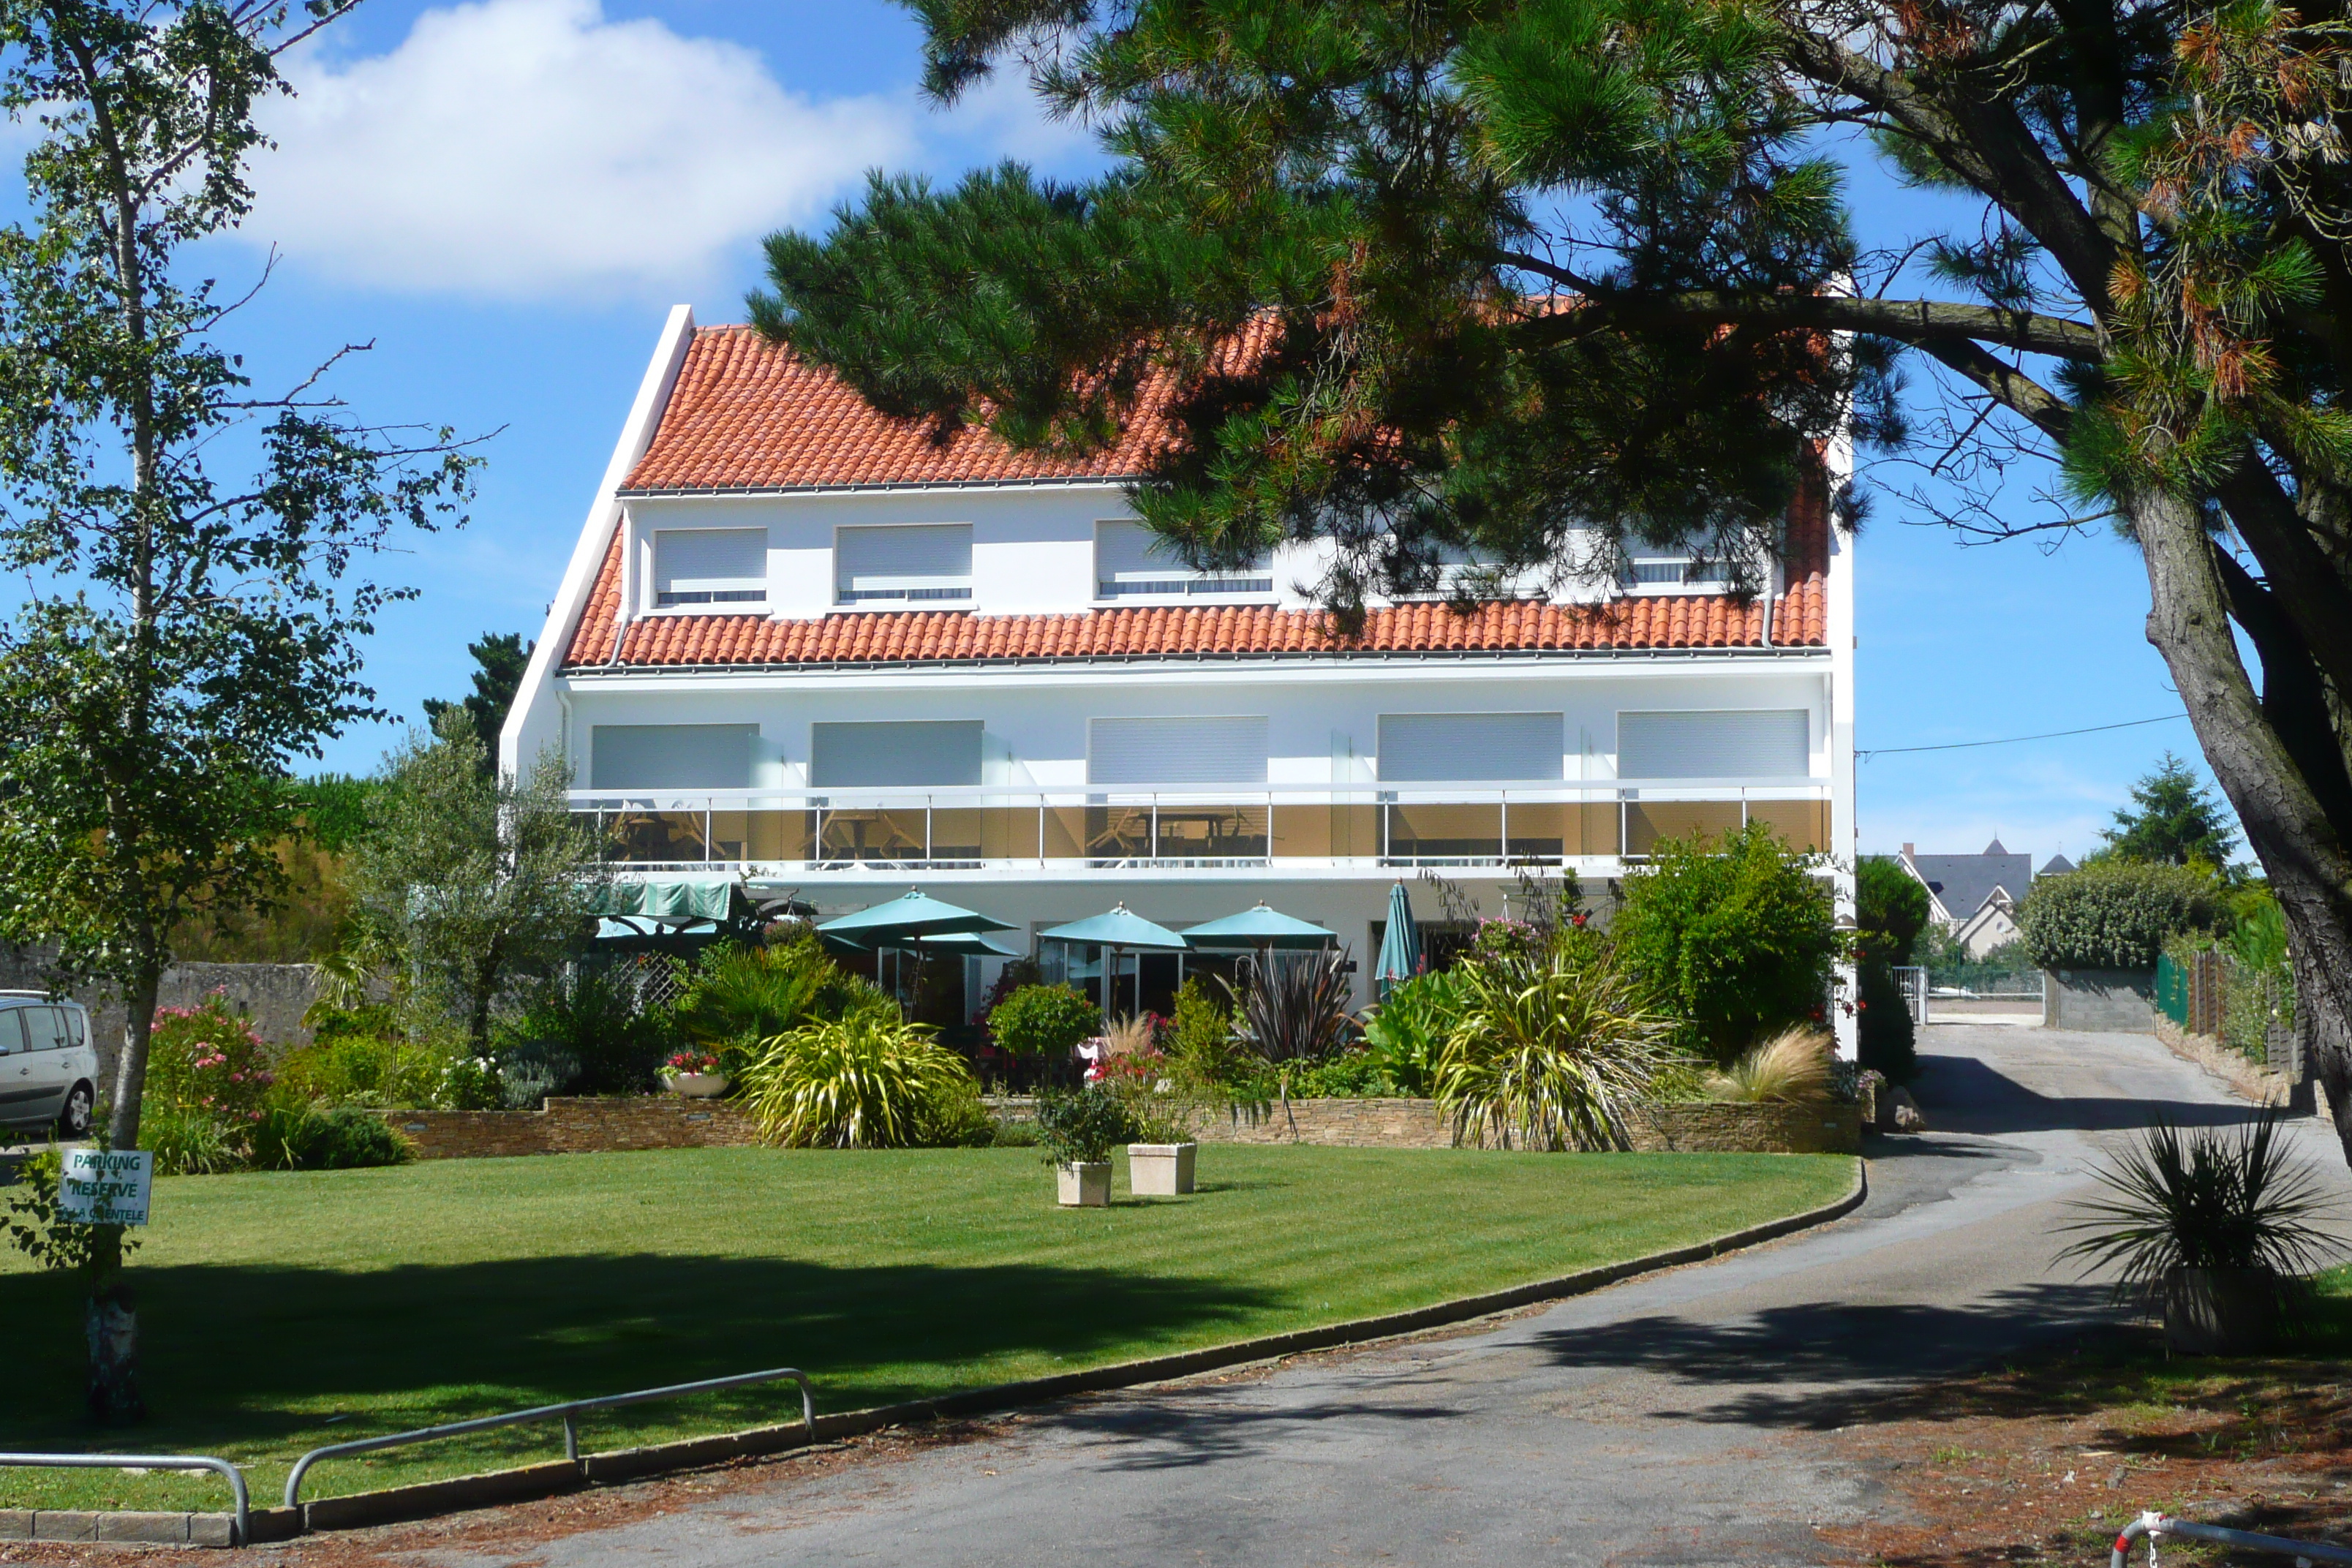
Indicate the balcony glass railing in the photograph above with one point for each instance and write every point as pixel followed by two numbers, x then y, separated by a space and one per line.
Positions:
pixel 1420 824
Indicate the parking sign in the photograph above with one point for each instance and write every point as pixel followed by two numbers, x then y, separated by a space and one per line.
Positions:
pixel 101 1186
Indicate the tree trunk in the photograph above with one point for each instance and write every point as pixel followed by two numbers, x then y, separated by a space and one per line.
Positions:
pixel 131 1069
pixel 2288 829
pixel 111 1324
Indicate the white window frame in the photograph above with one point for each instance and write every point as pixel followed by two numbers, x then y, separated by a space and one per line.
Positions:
pixel 1633 581
pixel 939 591
pixel 1190 586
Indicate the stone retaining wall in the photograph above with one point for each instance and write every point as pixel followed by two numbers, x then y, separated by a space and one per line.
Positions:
pixel 2255 1082
pixel 274 995
pixel 2097 1001
pixel 664 1122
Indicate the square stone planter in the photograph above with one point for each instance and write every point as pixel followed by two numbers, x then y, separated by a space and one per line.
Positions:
pixel 1160 1170
pixel 1086 1186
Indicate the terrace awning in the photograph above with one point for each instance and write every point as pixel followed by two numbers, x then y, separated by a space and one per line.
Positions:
pixel 1260 927
pixel 674 900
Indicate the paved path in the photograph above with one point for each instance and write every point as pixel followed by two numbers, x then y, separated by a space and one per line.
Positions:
pixel 1672 1420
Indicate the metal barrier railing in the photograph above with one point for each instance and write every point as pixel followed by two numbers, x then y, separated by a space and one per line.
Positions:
pixel 2151 1527
pixel 149 1462
pixel 568 1412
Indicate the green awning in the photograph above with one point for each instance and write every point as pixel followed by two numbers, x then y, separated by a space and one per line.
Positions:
pixel 673 898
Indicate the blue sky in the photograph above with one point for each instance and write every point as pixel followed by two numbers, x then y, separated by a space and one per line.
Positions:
pixel 504 197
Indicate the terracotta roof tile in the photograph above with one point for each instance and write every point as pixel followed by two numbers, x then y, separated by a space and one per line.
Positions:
pixel 1677 621
pixel 747 415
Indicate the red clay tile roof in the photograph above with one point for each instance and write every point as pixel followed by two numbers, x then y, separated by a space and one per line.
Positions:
pixel 905 636
pixel 749 415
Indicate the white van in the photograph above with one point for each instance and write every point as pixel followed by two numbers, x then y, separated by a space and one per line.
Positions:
pixel 49 1068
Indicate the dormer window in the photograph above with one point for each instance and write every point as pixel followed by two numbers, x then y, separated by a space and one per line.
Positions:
pixel 1656 571
pixel 902 564
pixel 1132 562
pixel 710 566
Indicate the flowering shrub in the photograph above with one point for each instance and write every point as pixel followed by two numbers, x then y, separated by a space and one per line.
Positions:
pixel 207 1060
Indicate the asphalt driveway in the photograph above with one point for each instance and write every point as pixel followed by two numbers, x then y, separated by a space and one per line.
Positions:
pixel 1677 1419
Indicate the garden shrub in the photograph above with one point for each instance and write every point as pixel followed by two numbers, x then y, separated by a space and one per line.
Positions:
pixel 1886 1039
pixel 189 1141
pixel 1403 1033
pixel 1083 1127
pixel 954 1118
pixel 1733 935
pixel 1045 1021
pixel 1295 1006
pixel 1200 1048
pixel 1793 1067
pixel 736 996
pixel 369 1071
pixel 1349 1075
pixel 863 1081
pixel 1547 1056
pixel 208 1078
pixel 307 1139
pixel 1891 908
pixel 2113 914
pixel 591 1015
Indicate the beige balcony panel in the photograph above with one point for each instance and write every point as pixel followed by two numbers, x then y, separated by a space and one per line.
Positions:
pixel 1445 832
pixel 1008 833
pixel 1647 821
pixel 876 835
pixel 1805 824
pixel 1212 832
pixel 957 833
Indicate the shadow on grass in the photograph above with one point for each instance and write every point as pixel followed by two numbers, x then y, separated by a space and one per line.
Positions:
pixel 1825 1364
pixel 254 1354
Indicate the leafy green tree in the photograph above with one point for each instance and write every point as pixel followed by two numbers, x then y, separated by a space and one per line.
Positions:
pixel 1732 934
pixel 2173 820
pixel 188 629
pixel 499 659
pixel 472 882
pixel 1543 279
pixel 1891 905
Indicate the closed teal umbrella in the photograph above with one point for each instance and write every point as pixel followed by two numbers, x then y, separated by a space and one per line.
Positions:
pixel 1259 926
pixel 1399 957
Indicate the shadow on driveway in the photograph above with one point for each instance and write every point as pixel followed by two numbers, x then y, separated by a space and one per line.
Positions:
pixel 1963 1094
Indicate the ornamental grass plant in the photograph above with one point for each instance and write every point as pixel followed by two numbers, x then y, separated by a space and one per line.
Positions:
pixel 868 1080
pixel 1791 1068
pixel 1547 1054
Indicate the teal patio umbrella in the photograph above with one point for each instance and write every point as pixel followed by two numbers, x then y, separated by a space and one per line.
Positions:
pixel 1399 957
pixel 1117 930
pixel 1260 927
pixel 905 917
pixel 972 944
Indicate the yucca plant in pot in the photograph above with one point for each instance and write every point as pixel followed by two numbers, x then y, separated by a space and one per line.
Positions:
pixel 1077 1133
pixel 2210 1228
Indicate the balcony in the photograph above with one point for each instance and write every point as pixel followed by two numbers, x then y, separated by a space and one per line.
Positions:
pixel 1292 827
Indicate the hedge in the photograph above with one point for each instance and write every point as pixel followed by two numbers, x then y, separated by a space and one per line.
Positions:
pixel 2113 916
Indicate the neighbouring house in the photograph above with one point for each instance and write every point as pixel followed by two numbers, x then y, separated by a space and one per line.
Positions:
pixel 814 649
pixel 1975 897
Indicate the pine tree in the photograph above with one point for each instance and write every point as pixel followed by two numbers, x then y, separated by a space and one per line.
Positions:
pixel 1544 279
pixel 499 659
pixel 2173 820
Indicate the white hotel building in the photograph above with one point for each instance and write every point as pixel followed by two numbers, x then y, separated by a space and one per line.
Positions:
pixel 804 644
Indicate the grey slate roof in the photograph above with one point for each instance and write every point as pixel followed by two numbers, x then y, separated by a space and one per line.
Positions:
pixel 2059 866
pixel 1962 883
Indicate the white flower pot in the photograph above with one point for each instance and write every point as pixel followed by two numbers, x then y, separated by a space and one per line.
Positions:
pixel 1160 1170
pixel 1085 1186
pixel 698 1085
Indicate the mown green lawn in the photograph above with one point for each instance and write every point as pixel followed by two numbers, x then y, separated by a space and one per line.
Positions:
pixel 282 1311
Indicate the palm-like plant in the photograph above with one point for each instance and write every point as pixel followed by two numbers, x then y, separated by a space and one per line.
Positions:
pixel 862 1081
pixel 1294 1008
pixel 1546 1054
pixel 756 993
pixel 2214 1198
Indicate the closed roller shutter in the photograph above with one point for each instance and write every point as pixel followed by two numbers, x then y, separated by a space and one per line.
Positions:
pixel 1129 559
pixel 710 565
pixel 1170 752
pixel 1746 742
pixel 932 561
pixel 1469 748
pixel 923 754
pixel 670 756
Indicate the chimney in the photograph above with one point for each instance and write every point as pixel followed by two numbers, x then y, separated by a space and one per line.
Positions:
pixel 1907 852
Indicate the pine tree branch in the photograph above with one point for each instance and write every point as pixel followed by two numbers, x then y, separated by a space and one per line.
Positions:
pixel 1917 322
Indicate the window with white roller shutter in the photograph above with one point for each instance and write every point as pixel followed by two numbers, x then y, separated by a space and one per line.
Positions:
pixel 1131 561
pixel 921 753
pixel 1723 744
pixel 710 566
pixel 670 756
pixel 1468 748
pixel 905 564
pixel 1166 752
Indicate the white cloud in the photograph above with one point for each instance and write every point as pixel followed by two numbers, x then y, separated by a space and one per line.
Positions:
pixel 529 148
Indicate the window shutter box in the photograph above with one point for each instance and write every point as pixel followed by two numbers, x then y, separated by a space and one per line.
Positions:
pixel 670 756
pixel 1737 743
pixel 919 755
pixel 1166 752
pixel 928 561
pixel 1471 748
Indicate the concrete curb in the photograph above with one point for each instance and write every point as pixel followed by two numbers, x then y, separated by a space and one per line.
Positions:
pixel 115 1527
pixel 394 1504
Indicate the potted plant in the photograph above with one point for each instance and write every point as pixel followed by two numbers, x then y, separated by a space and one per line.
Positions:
pixel 1077 1133
pixel 695 1075
pixel 2211 1229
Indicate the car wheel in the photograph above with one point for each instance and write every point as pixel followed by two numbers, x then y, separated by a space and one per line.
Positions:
pixel 73 1122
